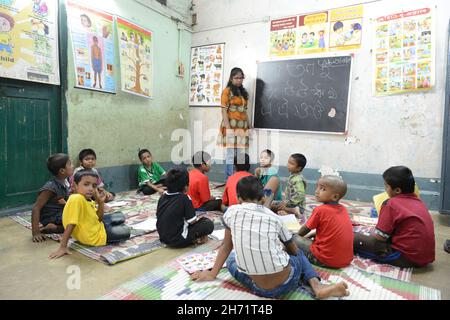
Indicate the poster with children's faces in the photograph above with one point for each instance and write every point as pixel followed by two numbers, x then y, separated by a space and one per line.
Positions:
pixel 29 40
pixel 346 28
pixel 312 33
pixel 404 52
pixel 93 48
pixel 136 58
pixel 283 37
pixel 206 75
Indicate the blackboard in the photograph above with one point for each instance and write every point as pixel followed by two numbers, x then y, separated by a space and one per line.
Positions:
pixel 303 94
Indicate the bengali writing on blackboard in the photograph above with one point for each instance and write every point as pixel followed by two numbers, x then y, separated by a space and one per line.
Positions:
pixel 303 94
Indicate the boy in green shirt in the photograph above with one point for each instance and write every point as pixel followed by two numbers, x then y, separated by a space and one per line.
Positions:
pixel 151 175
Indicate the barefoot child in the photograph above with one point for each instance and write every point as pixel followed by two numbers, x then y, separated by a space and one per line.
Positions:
pixel 150 174
pixel 51 199
pixel 259 262
pixel 85 222
pixel 177 224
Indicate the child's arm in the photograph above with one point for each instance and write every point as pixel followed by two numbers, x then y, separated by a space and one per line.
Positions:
pixel 41 200
pixel 224 252
pixel 258 172
pixel 155 187
pixel 63 250
pixel 304 230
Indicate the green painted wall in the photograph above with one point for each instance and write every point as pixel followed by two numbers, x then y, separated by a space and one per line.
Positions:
pixel 117 125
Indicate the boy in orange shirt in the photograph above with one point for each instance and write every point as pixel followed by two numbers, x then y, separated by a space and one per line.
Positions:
pixel 241 166
pixel 199 184
pixel 333 243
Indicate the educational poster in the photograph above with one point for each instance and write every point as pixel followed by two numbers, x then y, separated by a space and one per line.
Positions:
pixel 283 36
pixel 404 52
pixel 136 58
pixel 93 47
pixel 346 28
pixel 312 33
pixel 29 40
pixel 206 76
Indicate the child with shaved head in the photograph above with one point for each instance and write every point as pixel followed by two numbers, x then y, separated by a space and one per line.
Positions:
pixel 333 242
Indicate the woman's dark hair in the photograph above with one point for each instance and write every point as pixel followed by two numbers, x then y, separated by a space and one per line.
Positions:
pixel 250 188
pixel 57 162
pixel 177 178
pixel 237 91
pixel 86 152
pixel 82 173
pixel 400 177
pixel 299 159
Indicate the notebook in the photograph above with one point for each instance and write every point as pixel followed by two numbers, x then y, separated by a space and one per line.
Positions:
pixel 291 222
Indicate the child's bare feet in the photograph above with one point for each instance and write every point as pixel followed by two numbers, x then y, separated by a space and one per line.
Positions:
pixel 323 291
pixel 52 228
pixel 202 240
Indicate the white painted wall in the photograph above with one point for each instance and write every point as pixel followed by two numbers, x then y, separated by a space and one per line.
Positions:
pixel 383 131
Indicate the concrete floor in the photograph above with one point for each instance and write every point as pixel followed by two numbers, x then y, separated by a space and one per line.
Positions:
pixel 27 273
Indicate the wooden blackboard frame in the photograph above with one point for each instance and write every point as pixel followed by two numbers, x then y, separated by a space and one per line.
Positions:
pixel 344 133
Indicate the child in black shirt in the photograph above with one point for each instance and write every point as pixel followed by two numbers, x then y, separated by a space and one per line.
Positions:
pixel 177 224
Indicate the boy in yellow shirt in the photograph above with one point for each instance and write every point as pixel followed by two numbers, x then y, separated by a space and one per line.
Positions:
pixel 84 222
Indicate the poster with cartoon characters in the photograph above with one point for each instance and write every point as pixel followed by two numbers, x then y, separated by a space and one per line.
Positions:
pixel 346 28
pixel 283 37
pixel 136 58
pixel 404 52
pixel 29 40
pixel 93 48
pixel 312 33
pixel 206 76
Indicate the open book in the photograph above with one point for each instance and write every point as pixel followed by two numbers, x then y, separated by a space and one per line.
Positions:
pixel 148 225
pixel 198 261
pixel 291 222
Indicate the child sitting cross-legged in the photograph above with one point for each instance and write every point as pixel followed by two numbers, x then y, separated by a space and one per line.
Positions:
pixel 259 262
pixel 85 222
pixel 333 242
pixel 150 174
pixel 404 234
pixel 177 223
pixel 52 198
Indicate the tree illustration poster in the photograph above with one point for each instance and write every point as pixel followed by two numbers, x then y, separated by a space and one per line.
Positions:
pixel 136 58
pixel 91 32
pixel 29 40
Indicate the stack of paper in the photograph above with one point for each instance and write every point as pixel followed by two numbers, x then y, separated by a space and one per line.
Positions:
pixel 147 225
pixel 291 222
pixel 113 204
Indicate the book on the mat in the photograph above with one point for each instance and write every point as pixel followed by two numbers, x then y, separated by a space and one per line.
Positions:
pixel 113 204
pixel 291 222
pixel 198 261
pixel 367 221
pixel 218 234
pixel 147 225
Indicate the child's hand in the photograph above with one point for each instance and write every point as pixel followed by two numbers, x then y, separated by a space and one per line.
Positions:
pixel 38 236
pixel 203 276
pixel 160 191
pixel 282 213
pixel 62 201
pixel 99 196
pixel 59 253
pixel 109 196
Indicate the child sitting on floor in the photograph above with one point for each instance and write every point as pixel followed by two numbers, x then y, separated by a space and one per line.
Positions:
pixel 269 176
pixel 259 262
pixel 404 234
pixel 51 199
pixel 199 184
pixel 150 174
pixel 88 160
pixel 241 168
pixel 333 242
pixel 295 188
pixel 177 224
pixel 84 222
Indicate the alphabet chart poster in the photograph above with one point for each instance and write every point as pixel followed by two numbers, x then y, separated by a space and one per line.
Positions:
pixel 404 52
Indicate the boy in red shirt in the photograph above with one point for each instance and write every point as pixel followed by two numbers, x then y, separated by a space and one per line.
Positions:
pixel 199 184
pixel 404 234
pixel 241 166
pixel 333 243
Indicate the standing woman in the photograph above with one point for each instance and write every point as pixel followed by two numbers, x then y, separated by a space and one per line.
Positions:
pixel 234 127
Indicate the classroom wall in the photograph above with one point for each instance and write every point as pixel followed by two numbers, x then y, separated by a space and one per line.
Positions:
pixel 382 131
pixel 117 125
